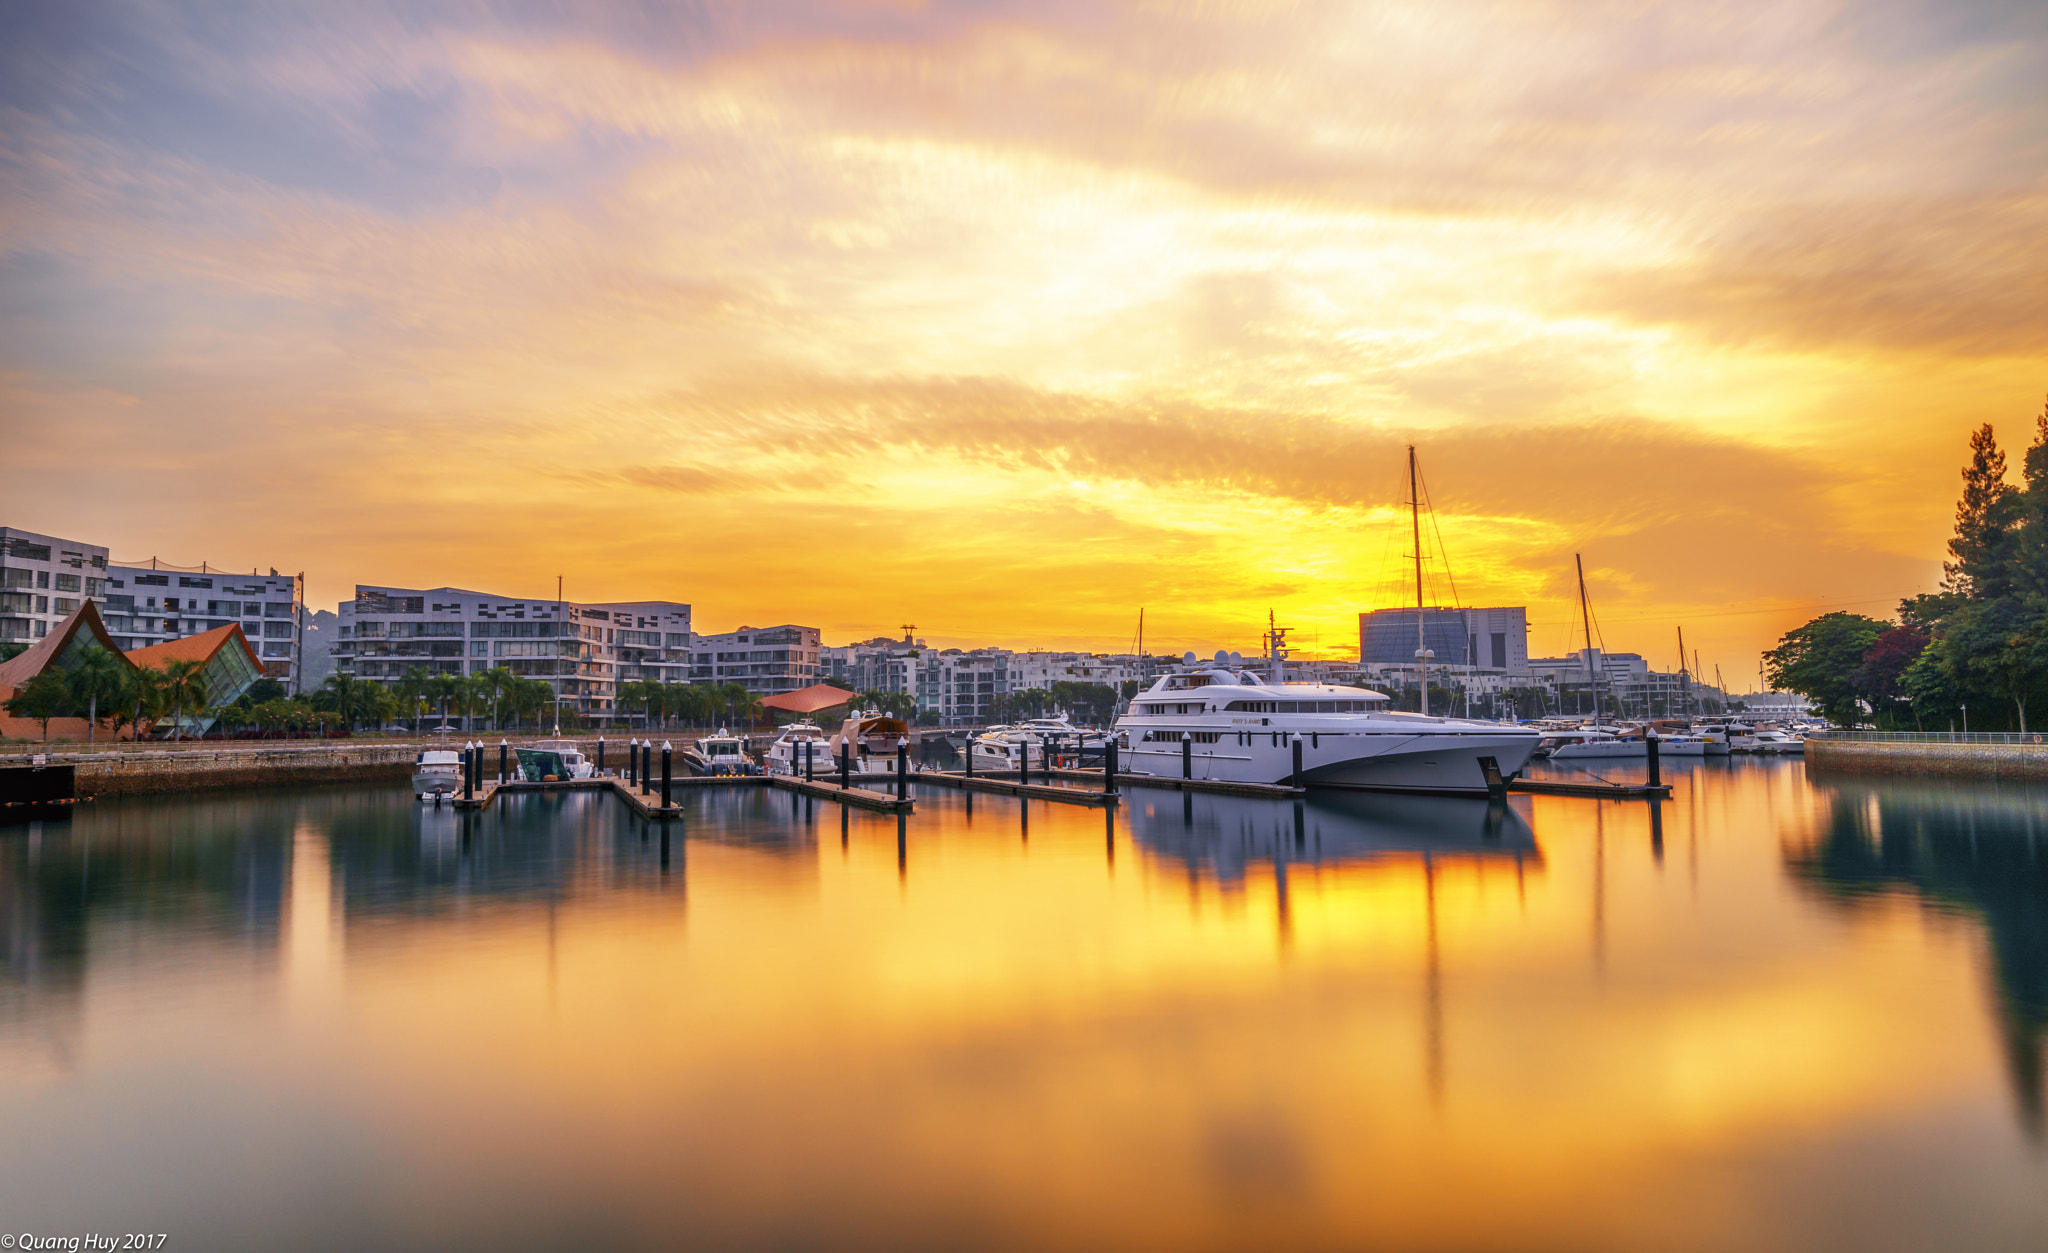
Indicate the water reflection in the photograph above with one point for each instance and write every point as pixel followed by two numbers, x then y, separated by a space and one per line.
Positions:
pixel 1969 850
pixel 1221 837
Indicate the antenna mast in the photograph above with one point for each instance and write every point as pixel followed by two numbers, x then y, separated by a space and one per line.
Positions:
pixel 1422 653
pixel 1586 610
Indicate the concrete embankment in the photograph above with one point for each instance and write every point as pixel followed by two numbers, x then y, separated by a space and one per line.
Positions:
pixel 137 772
pixel 1929 760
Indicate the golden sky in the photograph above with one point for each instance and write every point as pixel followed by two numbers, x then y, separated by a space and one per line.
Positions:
pixel 1009 319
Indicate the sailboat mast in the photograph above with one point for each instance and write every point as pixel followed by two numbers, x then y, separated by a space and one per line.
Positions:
pixel 1586 615
pixel 1421 644
pixel 1685 673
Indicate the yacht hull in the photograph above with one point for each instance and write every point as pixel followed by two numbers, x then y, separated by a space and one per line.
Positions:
pixel 1437 764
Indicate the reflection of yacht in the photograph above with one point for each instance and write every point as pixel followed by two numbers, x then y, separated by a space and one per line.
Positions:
pixel 871 740
pixel 786 754
pixel 436 773
pixel 1222 835
pixel 719 754
pixel 1237 727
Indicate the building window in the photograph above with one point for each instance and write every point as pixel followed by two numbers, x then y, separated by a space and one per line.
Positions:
pixel 12 577
pixel 280 609
pixel 43 578
pixel 277 630
pixel 152 580
pixel 65 604
pixel 184 582
pixel 69 583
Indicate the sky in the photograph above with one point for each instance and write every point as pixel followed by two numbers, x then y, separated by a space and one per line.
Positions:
pixel 1011 320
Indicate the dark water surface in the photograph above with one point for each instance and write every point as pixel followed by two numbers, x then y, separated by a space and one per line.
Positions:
pixel 1773 1013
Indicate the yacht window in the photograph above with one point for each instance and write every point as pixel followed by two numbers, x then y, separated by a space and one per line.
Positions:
pixel 1326 706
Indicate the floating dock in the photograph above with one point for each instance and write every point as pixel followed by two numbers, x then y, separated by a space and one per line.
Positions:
pixel 1028 791
pixel 648 804
pixel 1605 791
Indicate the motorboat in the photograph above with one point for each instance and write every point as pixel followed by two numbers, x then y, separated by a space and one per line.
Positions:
pixel 1594 743
pixel 721 754
pixel 552 761
pixel 1775 743
pixel 786 754
pixel 868 742
pixel 436 774
pixel 1216 721
pixel 1066 741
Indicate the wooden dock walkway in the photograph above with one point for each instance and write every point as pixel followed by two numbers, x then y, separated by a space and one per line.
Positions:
pixel 859 796
pixel 1029 791
pixel 1605 791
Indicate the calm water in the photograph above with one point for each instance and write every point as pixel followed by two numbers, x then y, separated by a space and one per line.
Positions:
pixel 1781 1015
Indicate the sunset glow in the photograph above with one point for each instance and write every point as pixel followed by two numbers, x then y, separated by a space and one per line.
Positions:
pixel 1008 320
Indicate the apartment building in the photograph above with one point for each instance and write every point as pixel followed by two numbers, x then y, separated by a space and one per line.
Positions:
pixel 1479 639
pixel 150 604
pixel 43 580
pixel 767 660
pixel 582 650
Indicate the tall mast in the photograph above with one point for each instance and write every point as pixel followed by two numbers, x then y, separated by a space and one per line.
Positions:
pixel 1586 615
pixel 1421 645
pixel 1684 673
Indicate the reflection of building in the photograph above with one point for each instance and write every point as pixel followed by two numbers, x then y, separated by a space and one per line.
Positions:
pixel 1955 847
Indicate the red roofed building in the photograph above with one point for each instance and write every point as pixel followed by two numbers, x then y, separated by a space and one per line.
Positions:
pixel 75 636
pixel 231 666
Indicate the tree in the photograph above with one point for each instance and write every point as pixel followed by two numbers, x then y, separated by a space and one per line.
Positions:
pixel 1986 540
pixel 441 689
pixel 412 689
pixel 1820 661
pixel 1881 676
pixel 45 696
pixel 184 687
pixel 2032 557
pixel 97 679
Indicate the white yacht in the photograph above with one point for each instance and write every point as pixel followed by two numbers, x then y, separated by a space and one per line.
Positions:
pixel 437 773
pixel 1235 726
pixel 1593 743
pixel 1774 743
pixel 549 760
pixel 1066 740
pixel 786 754
pixel 870 740
pixel 719 754
pixel 1002 748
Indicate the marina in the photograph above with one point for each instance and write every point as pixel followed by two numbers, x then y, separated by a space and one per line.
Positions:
pixel 513 1012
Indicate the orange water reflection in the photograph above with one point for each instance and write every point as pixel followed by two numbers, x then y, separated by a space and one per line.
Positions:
pixel 1208 1024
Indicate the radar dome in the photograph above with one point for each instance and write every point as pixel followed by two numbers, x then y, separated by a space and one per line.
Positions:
pixel 1237 659
pixel 1188 658
pixel 1222 657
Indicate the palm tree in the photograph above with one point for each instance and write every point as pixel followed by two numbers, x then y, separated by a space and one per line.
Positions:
pixel 443 688
pixel 97 677
pixel 412 689
pixel 184 685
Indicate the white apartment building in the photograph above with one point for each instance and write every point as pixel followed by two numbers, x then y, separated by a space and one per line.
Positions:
pixel 43 580
pixel 767 660
pixel 154 603
pixel 582 650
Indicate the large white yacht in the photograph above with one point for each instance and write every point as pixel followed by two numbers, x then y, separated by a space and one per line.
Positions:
pixel 1241 728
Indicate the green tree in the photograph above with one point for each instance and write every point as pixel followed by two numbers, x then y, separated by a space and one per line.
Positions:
pixel 184 687
pixel 97 679
pixel 443 689
pixel 45 696
pixel 1986 539
pixel 1820 661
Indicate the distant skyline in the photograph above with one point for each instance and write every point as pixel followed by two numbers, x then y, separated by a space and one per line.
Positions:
pixel 1009 319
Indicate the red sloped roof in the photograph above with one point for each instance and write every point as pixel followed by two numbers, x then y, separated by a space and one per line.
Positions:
pixel 24 666
pixel 200 648
pixel 808 699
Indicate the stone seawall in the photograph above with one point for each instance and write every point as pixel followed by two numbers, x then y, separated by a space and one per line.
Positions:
pixel 1959 761
pixel 136 773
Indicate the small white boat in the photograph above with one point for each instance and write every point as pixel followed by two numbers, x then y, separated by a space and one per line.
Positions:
pixel 437 774
pixel 1777 743
pixel 721 754
pixel 787 754
pixel 1005 748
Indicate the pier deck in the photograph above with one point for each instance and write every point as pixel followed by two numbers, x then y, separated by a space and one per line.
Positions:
pixel 1029 791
